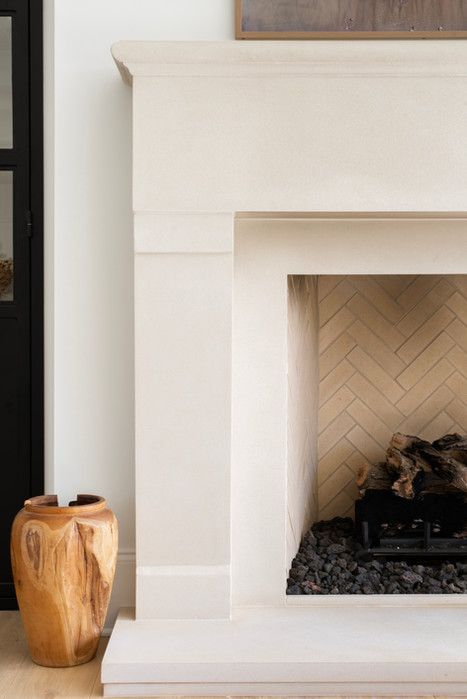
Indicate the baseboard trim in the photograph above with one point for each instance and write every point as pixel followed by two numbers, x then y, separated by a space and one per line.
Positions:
pixel 123 594
pixel 126 556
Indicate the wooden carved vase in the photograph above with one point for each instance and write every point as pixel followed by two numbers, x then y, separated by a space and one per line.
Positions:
pixel 63 561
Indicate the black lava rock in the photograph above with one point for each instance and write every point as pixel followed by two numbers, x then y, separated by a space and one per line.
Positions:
pixel 331 562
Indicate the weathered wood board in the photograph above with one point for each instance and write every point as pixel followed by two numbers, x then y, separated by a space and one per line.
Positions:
pixel 258 19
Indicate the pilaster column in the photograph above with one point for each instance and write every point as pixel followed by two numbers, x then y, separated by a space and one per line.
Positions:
pixel 183 284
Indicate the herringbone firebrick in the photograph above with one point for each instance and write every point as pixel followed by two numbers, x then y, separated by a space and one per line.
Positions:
pixel 393 356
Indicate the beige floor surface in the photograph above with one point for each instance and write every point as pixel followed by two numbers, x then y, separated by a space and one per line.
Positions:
pixel 20 678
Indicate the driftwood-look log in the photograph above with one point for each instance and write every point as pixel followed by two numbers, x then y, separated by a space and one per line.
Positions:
pixel 406 467
pixel 445 457
pixel 414 466
pixel 373 477
pixel 63 561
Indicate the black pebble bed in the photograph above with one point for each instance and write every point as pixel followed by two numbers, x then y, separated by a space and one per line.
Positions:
pixel 329 563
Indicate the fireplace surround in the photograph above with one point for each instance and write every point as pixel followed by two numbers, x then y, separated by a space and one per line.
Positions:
pixel 352 159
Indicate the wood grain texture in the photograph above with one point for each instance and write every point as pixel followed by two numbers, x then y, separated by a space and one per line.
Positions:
pixel 398 346
pixel 20 678
pixel 13 650
pixel 63 561
pixel 340 18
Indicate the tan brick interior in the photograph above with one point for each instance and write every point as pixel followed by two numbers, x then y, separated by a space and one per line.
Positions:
pixel 393 357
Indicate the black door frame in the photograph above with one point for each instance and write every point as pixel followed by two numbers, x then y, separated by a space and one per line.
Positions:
pixel 36 188
pixel 26 159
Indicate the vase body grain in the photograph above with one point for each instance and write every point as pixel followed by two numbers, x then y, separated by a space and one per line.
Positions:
pixel 63 561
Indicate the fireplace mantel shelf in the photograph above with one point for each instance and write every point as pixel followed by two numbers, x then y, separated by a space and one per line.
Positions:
pixel 203 58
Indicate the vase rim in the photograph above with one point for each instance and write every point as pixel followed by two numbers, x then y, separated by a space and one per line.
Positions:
pixel 48 504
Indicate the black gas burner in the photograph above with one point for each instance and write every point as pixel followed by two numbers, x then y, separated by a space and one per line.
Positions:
pixel 429 526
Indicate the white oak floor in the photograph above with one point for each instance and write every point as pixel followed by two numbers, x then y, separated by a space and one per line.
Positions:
pixel 20 678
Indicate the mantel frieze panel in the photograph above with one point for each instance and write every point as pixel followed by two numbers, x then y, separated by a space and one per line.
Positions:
pixel 214 144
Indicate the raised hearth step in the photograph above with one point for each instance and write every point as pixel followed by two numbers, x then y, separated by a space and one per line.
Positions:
pixel 297 651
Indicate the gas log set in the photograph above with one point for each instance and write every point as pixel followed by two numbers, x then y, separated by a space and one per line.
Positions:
pixel 415 502
pixel 410 529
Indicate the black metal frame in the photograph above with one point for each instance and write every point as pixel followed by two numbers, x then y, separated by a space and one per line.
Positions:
pixel 36 110
pixel 25 159
pixel 417 546
pixel 430 525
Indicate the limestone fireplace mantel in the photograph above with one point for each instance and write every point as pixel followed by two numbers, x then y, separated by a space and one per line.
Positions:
pixel 314 137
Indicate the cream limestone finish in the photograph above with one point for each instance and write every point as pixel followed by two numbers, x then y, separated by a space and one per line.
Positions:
pixel 302 408
pixel 266 252
pixel 221 129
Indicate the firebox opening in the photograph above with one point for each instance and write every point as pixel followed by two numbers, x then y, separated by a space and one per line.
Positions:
pixel 370 357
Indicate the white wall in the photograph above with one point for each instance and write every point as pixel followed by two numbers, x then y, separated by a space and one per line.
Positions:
pixel 88 248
